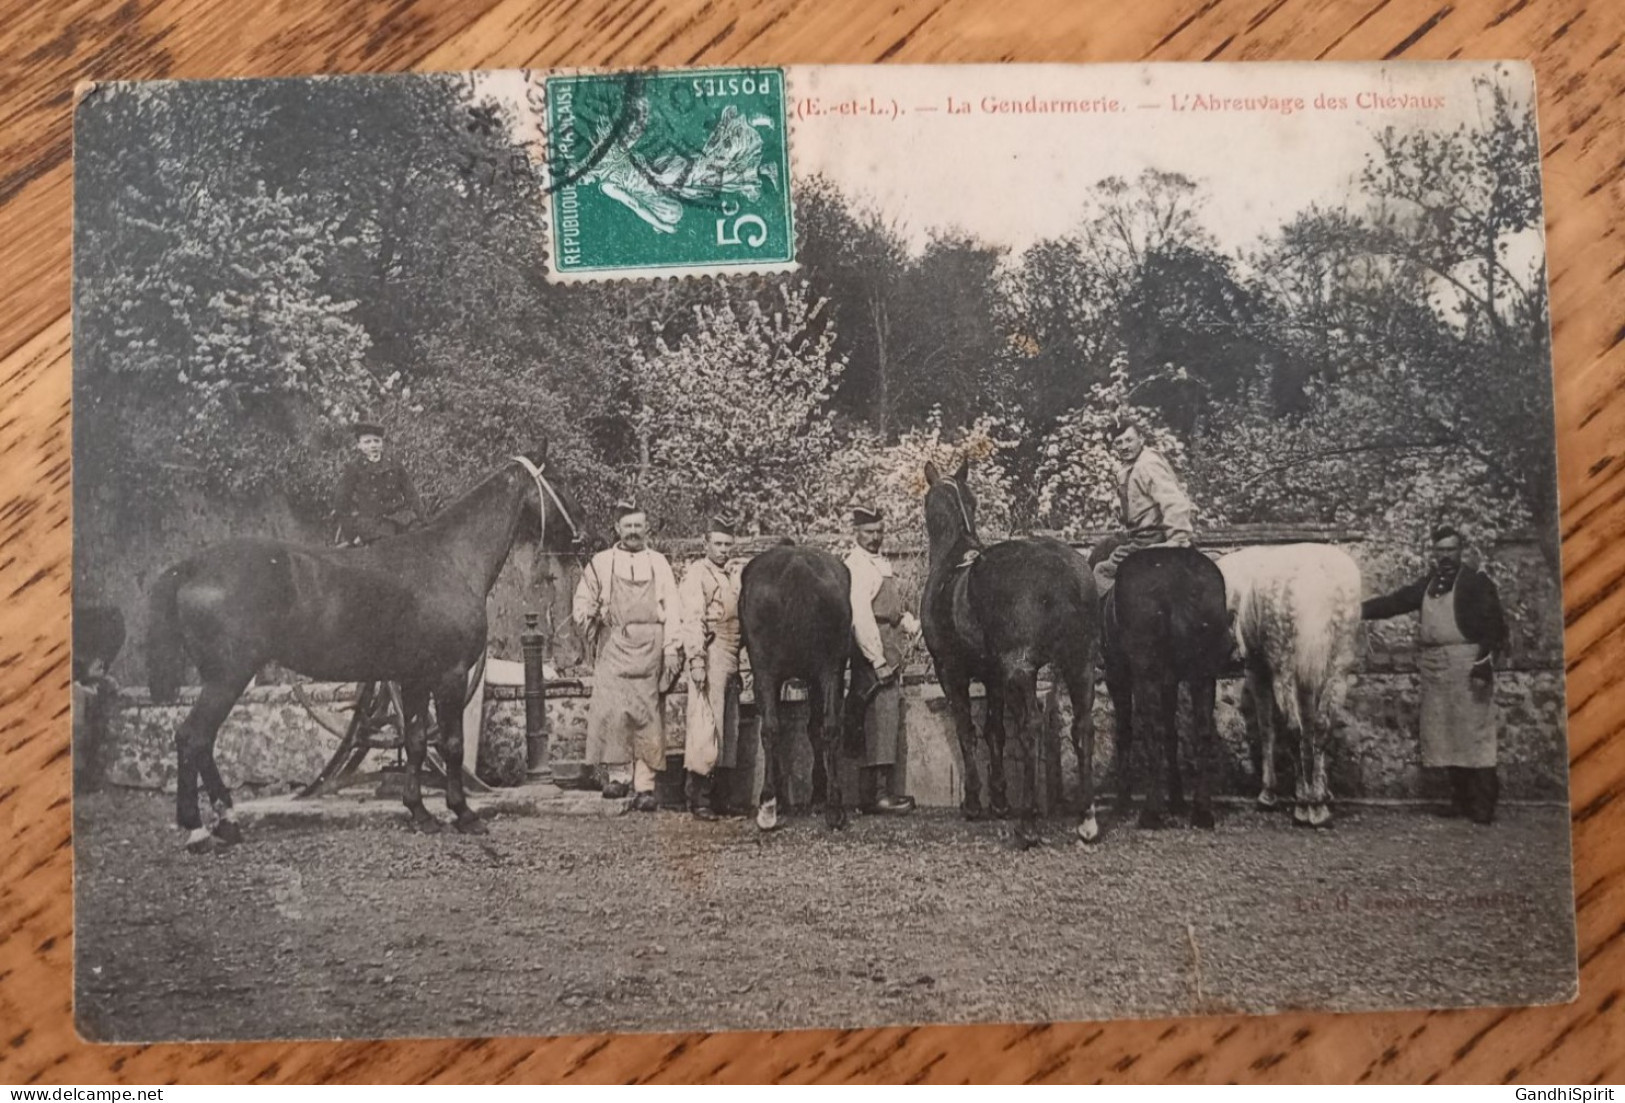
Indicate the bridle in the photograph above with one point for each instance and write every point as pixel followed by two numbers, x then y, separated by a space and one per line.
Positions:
pixel 964 513
pixel 545 491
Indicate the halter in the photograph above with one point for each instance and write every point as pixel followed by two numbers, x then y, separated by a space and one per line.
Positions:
pixel 964 514
pixel 544 490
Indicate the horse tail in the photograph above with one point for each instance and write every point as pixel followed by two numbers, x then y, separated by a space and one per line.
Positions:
pixel 166 655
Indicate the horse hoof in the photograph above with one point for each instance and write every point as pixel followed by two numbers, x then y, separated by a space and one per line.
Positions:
pixel 1203 818
pixel 767 816
pixel 1028 837
pixel 1320 816
pixel 200 841
pixel 1089 830
pixel 1267 801
pixel 972 812
pixel 1152 821
pixel 835 817
pixel 424 825
pixel 471 825
pixel 1300 815
pixel 999 811
pixel 228 832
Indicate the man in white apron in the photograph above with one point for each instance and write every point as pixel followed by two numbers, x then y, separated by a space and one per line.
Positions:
pixel 710 601
pixel 627 600
pixel 1462 630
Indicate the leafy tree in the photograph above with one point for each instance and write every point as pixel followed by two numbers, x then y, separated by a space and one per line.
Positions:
pixel 946 348
pixel 855 259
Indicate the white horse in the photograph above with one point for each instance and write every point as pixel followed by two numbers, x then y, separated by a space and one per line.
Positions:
pixel 1295 611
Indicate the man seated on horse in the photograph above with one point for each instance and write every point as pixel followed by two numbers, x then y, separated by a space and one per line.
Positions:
pixel 879 626
pixel 1152 505
pixel 627 600
pixel 711 641
pixel 375 496
pixel 1462 629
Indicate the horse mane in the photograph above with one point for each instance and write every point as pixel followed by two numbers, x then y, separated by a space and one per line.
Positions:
pixel 466 503
pixel 959 533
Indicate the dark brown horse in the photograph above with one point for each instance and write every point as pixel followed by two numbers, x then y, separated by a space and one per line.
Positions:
pixel 407 609
pixel 1012 609
pixel 1164 624
pixel 795 615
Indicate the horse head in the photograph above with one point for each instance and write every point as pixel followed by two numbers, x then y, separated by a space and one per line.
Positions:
pixel 551 515
pixel 950 508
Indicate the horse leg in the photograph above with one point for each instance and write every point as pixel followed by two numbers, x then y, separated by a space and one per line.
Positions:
pixel 1263 696
pixel 1050 733
pixel 414 703
pixel 955 683
pixel 1315 729
pixel 998 801
pixel 1287 699
pixel 823 719
pixel 817 720
pixel 193 747
pixel 1170 735
pixel 1022 693
pixel 1204 692
pixel 1120 687
pixel 450 697
pixel 225 826
pixel 1080 686
pixel 767 704
pixel 825 699
pixel 1155 702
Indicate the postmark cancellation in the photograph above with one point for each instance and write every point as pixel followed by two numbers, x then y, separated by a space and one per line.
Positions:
pixel 676 173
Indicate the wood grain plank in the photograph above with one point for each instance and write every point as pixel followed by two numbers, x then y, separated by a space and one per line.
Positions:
pixel 1577 53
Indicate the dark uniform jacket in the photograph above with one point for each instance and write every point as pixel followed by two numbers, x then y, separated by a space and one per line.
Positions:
pixel 375 500
pixel 1478 607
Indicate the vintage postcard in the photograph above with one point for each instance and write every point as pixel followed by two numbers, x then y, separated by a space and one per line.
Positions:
pixel 813 547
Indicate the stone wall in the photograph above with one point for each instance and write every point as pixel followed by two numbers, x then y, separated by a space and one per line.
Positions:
pixel 271 744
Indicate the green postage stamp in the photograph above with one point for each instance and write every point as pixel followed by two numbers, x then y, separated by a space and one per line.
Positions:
pixel 668 173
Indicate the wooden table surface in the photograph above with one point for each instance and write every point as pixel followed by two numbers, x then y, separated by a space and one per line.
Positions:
pixel 48 45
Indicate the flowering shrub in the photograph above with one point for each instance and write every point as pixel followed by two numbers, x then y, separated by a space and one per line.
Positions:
pixel 891 478
pixel 734 415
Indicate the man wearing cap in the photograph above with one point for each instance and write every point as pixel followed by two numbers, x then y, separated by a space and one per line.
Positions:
pixel 710 601
pixel 879 626
pixel 1152 505
pixel 1462 630
pixel 375 495
pixel 628 602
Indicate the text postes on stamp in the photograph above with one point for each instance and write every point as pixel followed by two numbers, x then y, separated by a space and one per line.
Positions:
pixel 668 173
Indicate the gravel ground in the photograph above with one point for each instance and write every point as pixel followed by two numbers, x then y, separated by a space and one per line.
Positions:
pixel 563 924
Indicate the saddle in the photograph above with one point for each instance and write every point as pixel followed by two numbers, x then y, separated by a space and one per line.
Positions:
pixel 964 626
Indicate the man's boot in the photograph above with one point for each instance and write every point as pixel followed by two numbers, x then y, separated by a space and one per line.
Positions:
pixel 1459 794
pixel 887 802
pixel 722 788
pixel 700 796
pixel 1486 789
